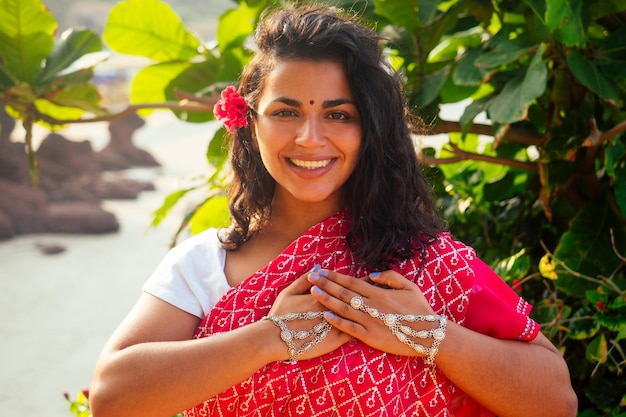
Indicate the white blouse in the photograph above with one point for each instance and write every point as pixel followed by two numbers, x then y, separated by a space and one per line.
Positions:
pixel 191 275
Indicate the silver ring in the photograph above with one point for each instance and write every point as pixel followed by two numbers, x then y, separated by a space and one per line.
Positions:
pixel 356 302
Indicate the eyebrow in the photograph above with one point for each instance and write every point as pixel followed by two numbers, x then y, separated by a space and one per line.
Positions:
pixel 326 104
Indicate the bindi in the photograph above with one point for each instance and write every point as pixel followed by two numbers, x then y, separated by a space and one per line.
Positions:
pixel 311 102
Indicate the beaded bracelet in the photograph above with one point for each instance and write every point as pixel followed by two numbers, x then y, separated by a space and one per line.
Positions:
pixel 402 332
pixel 317 333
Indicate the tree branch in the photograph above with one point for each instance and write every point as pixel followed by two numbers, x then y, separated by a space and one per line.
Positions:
pixel 597 137
pixel 514 135
pixel 461 155
pixel 188 102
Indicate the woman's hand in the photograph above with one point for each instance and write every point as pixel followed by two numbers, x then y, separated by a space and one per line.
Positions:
pixel 296 298
pixel 387 292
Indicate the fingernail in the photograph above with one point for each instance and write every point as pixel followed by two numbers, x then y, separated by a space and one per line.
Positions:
pixel 374 274
pixel 324 273
pixel 330 314
pixel 316 290
pixel 313 276
pixel 316 268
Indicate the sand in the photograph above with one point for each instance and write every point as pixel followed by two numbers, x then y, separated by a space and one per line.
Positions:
pixel 57 311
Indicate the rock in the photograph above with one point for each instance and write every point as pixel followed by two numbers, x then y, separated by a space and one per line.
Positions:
pixel 119 189
pixel 25 206
pixel 50 248
pixel 60 158
pixel 14 163
pixel 121 152
pixel 80 217
pixel 6 226
pixel 72 183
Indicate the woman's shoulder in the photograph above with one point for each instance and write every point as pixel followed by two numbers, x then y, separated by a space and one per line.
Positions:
pixel 445 244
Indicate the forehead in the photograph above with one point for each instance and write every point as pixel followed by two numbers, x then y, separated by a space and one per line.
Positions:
pixel 302 77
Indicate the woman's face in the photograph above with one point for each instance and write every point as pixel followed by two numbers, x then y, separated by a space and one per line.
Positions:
pixel 308 131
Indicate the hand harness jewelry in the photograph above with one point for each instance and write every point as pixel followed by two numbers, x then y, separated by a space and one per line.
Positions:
pixel 402 332
pixel 317 333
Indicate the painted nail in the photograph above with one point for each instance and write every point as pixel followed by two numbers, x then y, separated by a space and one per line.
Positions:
pixel 374 274
pixel 313 276
pixel 316 268
pixel 317 290
pixel 330 315
pixel 324 273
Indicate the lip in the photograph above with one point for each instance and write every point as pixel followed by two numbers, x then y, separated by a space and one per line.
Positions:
pixel 311 168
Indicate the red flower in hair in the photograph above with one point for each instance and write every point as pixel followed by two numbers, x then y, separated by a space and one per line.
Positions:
pixel 231 109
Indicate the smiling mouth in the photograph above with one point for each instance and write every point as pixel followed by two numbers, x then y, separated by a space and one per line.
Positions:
pixel 310 164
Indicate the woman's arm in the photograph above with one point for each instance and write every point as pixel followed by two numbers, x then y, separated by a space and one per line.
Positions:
pixel 508 377
pixel 150 367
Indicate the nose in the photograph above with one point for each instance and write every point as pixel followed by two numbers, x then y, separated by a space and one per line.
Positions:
pixel 311 133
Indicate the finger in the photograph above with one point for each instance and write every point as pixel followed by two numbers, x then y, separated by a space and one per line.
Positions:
pixel 345 326
pixel 332 303
pixel 340 286
pixel 389 279
pixel 300 286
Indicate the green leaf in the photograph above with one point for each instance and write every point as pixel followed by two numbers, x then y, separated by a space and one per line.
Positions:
pixel 503 53
pixel 619 189
pixel 466 72
pixel 149 28
pixel 586 247
pixel 81 96
pixel 26 37
pixel 615 324
pixel 235 26
pixel 399 12
pixel 150 83
pixel 194 79
pixel 75 51
pixel 513 267
pixel 591 77
pixel 582 326
pixel 597 350
pixel 6 79
pixel 58 112
pixel 427 11
pixel 512 103
pixel 431 85
pixel 564 19
pixel 169 203
pixel 212 213
pixel 473 110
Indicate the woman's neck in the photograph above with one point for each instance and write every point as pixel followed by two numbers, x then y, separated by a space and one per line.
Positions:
pixel 290 220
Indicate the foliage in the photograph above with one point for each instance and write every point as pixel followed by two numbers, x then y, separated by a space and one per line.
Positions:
pixel 539 189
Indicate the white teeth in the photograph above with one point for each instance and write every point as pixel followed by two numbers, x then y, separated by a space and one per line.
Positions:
pixel 310 164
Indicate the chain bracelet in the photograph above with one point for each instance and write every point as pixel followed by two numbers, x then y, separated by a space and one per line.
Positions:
pixel 402 332
pixel 317 332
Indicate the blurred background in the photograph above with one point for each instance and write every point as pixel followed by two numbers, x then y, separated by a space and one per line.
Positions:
pixel 58 309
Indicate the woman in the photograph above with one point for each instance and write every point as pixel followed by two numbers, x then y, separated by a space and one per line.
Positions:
pixel 336 292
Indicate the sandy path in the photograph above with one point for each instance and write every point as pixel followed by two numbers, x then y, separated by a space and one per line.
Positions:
pixel 57 311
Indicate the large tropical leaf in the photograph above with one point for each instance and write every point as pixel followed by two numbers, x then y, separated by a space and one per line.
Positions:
pixel 150 83
pixel 79 96
pixel 591 77
pixel 512 103
pixel 26 37
pixel 235 26
pixel 149 28
pixel 75 50
pixel 565 20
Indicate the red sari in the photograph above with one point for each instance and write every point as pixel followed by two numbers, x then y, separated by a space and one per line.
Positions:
pixel 355 379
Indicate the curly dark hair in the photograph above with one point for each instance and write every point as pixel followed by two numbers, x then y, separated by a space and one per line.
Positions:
pixel 390 202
